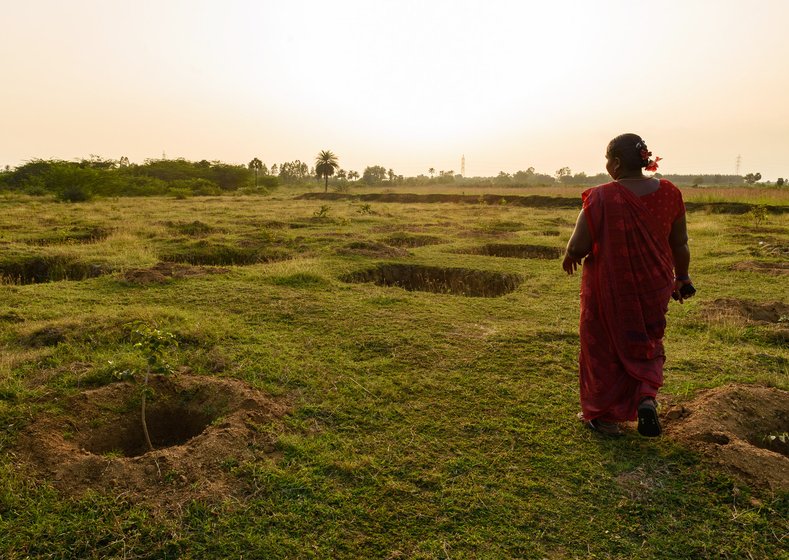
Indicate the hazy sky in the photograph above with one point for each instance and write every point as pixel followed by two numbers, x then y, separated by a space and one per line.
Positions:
pixel 404 84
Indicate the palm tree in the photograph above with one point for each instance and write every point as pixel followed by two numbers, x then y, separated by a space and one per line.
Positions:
pixel 432 172
pixel 256 165
pixel 325 164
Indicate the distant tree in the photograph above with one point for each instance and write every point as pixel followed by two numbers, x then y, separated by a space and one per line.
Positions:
pixel 391 175
pixel 263 170
pixel 374 174
pixel 779 183
pixel 342 174
pixel 325 165
pixel 523 177
pixel 274 170
pixel 293 171
pixel 255 165
pixel 752 178
pixel 432 171
pixel 503 178
pixel 562 173
pixel 123 162
pixel 353 175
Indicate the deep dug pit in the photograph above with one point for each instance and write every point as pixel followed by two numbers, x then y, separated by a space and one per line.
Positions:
pixel 223 254
pixel 198 425
pixel 516 251
pixel 739 427
pixel 456 281
pixel 72 235
pixel 371 249
pixel 165 271
pixel 402 239
pixel 36 269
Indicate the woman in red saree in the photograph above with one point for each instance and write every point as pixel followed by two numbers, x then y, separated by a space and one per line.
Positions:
pixel 632 239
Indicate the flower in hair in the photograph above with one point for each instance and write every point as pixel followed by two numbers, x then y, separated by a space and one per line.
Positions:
pixel 652 165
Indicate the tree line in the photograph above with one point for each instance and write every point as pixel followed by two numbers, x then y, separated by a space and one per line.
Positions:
pixel 98 177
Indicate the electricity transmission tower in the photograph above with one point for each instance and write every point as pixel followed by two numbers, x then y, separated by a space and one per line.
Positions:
pixel 463 165
pixel 737 167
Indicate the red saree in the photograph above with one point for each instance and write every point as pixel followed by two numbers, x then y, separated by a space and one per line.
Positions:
pixel 626 286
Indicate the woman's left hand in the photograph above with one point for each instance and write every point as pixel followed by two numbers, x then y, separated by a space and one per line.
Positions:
pixel 570 264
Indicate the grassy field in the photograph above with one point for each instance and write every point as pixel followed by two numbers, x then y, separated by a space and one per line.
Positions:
pixel 418 424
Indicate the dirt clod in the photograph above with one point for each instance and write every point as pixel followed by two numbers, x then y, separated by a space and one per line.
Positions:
pixel 732 427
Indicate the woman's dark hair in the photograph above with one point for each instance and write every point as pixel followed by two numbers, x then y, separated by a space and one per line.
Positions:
pixel 630 149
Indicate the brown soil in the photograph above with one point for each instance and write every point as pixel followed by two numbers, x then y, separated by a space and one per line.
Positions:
pixel 457 281
pixel 731 426
pixel 738 309
pixel 518 251
pixel 199 426
pixel 372 249
pixel 774 268
pixel 164 271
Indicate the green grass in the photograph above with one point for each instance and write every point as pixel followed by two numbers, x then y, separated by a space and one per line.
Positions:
pixel 422 425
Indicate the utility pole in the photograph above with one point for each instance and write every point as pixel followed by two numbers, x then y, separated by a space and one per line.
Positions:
pixel 463 165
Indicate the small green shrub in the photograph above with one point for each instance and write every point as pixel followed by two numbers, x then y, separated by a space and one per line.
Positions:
pixel 152 344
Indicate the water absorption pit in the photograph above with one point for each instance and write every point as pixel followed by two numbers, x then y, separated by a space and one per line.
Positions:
pixel 72 235
pixel 197 425
pixel 456 281
pixel 514 250
pixel 223 255
pixel 401 239
pixel 41 269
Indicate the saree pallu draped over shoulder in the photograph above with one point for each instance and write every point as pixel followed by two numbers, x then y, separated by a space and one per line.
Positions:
pixel 625 290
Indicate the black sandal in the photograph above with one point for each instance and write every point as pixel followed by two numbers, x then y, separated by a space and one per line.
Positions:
pixel 648 421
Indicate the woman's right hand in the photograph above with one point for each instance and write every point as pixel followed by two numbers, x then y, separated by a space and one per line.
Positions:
pixel 678 292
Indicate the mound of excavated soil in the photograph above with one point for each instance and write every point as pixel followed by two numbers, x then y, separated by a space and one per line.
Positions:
pixel 732 427
pixel 198 426
pixel 163 271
